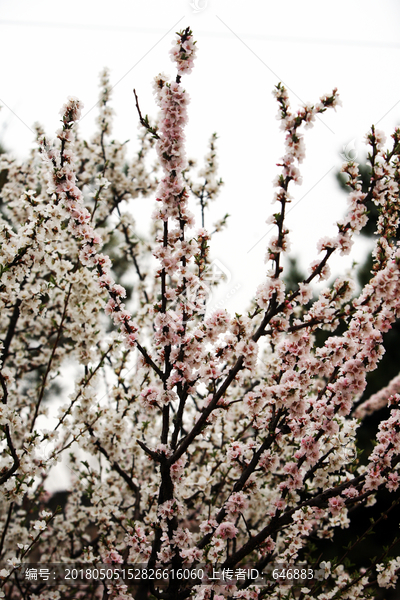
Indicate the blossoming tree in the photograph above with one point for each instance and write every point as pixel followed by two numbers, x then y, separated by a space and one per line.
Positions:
pixel 220 441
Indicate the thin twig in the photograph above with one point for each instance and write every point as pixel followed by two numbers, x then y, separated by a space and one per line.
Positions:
pixel 41 394
pixel 145 120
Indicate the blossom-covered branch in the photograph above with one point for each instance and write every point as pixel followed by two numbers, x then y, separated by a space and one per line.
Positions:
pixel 194 438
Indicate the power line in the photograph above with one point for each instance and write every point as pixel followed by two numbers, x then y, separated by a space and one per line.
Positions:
pixel 249 36
pixel 84 26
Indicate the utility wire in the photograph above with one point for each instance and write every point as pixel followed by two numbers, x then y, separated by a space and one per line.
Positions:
pixel 249 36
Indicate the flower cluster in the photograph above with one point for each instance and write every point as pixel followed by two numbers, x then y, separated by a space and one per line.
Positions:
pixel 63 188
pixel 183 51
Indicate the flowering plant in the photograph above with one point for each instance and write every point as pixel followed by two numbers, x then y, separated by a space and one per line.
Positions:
pixel 220 441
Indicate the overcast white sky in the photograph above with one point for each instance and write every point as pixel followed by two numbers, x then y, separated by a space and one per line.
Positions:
pixel 52 49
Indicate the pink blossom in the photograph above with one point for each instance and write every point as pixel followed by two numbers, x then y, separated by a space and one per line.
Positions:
pixel 113 557
pixel 236 503
pixel 226 530
pixel 335 505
